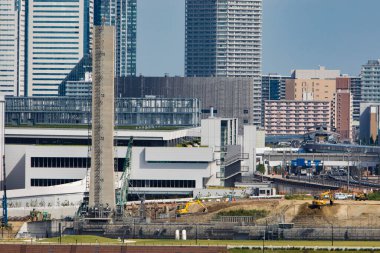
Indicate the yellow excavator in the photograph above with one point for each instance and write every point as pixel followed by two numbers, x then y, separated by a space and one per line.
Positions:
pixel 323 199
pixel 361 196
pixel 184 209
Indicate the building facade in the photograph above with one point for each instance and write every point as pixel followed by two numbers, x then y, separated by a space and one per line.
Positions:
pixel 370 80
pixel 292 117
pixel 12 47
pixel 355 87
pixel 273 87
pixel 369 123
pixel 230 97
pixel 122 14
pixel 223 38
pixel 155 169
pixel 341 111
pixel 310 89
pixel 316 84
pixel 66 111
pixel 77 88
pixel 58 36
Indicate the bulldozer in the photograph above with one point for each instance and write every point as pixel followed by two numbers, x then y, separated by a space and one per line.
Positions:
pixel 184 209
pixel 361 196
pixel 323 199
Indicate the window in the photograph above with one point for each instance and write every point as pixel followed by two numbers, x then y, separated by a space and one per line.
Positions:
pixel 50 182
pixel 60 162
pixel 162 183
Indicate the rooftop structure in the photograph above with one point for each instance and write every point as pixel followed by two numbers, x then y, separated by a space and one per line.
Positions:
pixel 76 111
pixel 321 73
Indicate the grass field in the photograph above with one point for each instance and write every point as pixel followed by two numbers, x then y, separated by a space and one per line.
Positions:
pixel 73 239
pixel 285 251
pixel 260 243
pixel 96 239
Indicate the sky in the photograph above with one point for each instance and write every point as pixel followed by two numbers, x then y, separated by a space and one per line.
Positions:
pixel 297 34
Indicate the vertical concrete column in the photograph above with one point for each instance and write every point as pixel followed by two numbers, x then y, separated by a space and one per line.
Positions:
pixel 102 189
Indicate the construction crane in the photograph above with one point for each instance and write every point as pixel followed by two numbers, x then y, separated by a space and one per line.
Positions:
pixel 4 221
pixel 124 180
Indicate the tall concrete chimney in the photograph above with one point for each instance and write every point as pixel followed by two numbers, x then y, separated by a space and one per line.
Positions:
pixel 102 186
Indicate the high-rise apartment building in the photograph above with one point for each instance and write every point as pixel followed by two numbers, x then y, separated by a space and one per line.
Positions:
pixel 355 88
pixel 12 51
pixel 223 38
pixel 370 80
pixel 58 36
pixel 292 117
pixel 122 14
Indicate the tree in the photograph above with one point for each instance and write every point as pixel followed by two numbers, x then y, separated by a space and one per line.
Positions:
pixel 261 168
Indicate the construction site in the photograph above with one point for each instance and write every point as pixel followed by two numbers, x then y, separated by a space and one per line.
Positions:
pixel 217 219
pixel 234 201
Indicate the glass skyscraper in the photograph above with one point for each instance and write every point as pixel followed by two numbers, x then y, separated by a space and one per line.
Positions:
pixel 122 14
pixel 223 38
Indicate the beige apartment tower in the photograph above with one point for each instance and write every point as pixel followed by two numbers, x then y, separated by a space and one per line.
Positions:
pixel 312 85
pixel 102 189
pixel 310 89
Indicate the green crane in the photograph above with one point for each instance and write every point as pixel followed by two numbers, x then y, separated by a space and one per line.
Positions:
pixel 123 191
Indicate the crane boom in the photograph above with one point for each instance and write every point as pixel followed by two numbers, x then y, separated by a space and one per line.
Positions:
pixel 124 187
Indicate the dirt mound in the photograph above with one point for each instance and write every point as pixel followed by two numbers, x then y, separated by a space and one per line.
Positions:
pixel 313 216
pixel 216 207
pixel 341 214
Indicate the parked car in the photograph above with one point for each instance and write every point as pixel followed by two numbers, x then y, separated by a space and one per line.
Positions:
pixel 340 196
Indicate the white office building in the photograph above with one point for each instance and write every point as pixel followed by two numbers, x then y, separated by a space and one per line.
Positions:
pixel 56 174
pixel 12 41
pixel 370 81
pixel 58 35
